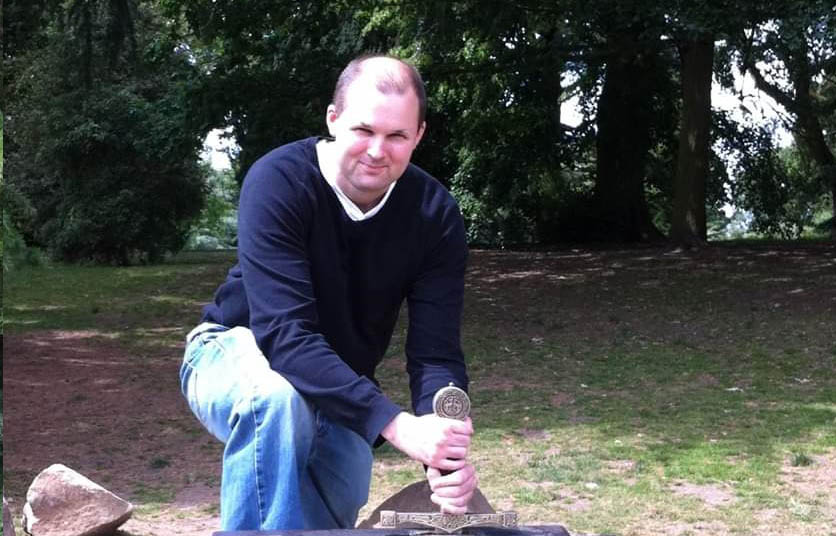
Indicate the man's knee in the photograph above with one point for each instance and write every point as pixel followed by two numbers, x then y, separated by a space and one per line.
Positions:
pixel 232 389
pixel 278 396
pixel 279 410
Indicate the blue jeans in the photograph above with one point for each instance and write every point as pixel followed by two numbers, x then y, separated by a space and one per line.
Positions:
pixel 285 465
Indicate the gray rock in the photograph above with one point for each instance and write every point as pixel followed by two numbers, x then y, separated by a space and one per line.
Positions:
pixel 8 524
pixel 416 498
pixel 61 502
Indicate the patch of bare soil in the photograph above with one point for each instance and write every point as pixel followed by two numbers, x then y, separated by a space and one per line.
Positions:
pixel 681 528
pixel 644 295
pixel 117 418
pixel 713 495
pixel 813 484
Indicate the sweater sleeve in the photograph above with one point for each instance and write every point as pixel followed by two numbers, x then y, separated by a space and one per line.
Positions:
pixel 275 215
pixel 433 348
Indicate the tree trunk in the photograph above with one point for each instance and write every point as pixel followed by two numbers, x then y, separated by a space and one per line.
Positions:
pixel 688 227
pixel 811 137
pixel 623 142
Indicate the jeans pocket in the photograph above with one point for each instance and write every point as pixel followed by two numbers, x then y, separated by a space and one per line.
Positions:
pixel 196 351
pixel 210 378
pixel 188 377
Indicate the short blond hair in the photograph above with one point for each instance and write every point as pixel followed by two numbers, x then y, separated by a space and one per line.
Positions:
pixel 388 81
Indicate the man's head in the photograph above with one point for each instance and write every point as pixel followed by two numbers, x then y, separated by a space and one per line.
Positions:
pixel 395 76
pixel 377 120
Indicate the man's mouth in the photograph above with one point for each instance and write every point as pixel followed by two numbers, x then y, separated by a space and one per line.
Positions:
pixel 373 167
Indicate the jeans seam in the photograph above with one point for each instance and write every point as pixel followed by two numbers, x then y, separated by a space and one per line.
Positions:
pixel 202 342
pixel 188 390
pixel 257 460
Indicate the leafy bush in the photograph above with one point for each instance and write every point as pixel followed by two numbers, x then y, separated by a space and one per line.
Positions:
pixel 103 146
pixel 15 251
pixel 118 186
pixel 217 226
pixel 782 190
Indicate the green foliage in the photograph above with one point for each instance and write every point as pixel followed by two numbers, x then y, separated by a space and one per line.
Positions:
pixel 791 59
pixel 102 143
pixel 270 67
pixel 495 94
pixel 111 98
pixel 217 226
pixel 15 251
pixel 782 190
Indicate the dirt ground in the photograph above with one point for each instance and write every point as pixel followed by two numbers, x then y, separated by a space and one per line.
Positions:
pixel 76 398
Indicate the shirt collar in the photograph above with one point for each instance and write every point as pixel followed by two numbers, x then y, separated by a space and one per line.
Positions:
pixel 351 209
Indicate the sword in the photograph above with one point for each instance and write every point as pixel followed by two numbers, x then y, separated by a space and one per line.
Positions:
pixel 452 403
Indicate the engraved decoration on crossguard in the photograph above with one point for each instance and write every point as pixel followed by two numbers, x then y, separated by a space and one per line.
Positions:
pixel 452 403
pixel 448 523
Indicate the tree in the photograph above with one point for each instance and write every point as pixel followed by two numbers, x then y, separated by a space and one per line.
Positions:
pixel 633 73
pixel 792 60
pixel 270 68
pixel 101 141
pixel 497 73
pixel 495 87
pixel 689 221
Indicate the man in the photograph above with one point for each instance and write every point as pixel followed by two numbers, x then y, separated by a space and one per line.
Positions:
pixel 334 233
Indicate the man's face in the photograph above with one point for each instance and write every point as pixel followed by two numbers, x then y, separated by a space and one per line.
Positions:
pixel 375 136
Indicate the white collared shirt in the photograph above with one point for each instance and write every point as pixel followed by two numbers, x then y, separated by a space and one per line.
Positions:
pixel 353 210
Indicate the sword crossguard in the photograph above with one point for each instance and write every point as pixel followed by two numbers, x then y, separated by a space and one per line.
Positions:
pixel 447 523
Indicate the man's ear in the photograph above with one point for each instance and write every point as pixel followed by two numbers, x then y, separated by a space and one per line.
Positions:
pixel 331 117
pixel 421 129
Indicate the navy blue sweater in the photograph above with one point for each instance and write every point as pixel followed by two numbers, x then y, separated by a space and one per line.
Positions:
pixel 322 293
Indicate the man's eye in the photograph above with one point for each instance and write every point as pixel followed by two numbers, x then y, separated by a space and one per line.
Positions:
pixel 363 130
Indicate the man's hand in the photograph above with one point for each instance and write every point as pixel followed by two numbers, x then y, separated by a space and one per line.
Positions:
pixel 453 492
pixel 434 441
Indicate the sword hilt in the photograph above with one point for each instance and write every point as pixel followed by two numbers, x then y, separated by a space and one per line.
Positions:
pixel 451 402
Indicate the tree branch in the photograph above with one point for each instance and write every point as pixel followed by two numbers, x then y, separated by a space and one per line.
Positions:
pixel 771 89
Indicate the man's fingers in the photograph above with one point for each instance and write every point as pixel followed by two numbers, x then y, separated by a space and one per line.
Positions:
pixel 456 506
pixel 455 453
pixel 452 492
pixel 464 478
pixel 449 464
pixel 430 439
pixel 460 427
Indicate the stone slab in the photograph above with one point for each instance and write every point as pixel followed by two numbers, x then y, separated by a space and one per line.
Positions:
pixel 523 530
pixel 416 498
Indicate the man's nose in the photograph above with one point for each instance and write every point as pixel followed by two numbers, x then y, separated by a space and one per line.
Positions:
pixel 375 148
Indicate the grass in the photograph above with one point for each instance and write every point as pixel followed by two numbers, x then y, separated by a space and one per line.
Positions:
pixel 146 306
pixel 152 499
pixel 614 391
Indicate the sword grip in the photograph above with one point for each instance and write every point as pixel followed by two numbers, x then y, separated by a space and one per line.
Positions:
pixel 452 403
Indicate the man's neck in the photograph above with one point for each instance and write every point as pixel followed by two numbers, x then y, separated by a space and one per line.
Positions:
pixel 329 167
